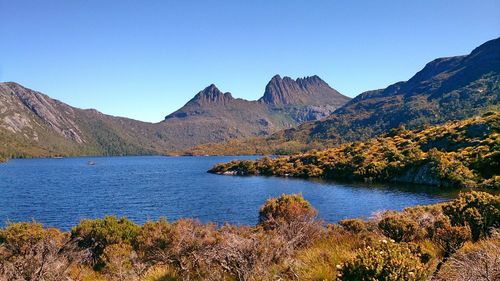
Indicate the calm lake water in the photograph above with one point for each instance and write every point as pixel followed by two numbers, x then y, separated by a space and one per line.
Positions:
pixel 61 192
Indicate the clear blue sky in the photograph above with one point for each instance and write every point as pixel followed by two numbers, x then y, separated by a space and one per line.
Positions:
pixel 144 59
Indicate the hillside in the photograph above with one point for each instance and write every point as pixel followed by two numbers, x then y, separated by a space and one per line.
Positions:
pixel 445 89
pixel 461 153
pixel 214 116
pixel 34 125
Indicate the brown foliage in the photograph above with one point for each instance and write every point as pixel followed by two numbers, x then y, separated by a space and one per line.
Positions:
pixel 30 252
pixel 478 262
pixel 399 227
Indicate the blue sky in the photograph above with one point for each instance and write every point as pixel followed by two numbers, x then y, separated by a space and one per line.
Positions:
pixel 144 59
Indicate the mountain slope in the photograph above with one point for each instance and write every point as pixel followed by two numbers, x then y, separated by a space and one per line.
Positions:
pixel 445 89
pixel 214 116
pixel 33 124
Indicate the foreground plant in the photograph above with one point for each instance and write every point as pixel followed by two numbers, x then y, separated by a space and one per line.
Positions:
pixel 30 252
pixel 479 262
pixel 385 261
pixel 288 243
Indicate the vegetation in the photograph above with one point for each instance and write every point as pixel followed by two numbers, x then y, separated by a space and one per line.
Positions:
pixel 31 128
pixel 461 153
pixel 288 243
pixel 446 89
pixel 480 212
pixel 385 261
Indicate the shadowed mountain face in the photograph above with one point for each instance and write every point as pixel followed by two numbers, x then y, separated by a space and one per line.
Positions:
pixel 445 89
pixel 32 124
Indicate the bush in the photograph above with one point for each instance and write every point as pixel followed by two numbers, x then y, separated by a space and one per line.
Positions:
pixel 479 210
pixel 183 245
pixel 153 239
pixel 451 238
pixel 30 252
pixel 285 209
pixel 289 222
pixel 315 262
pixel 19 237
pixel 428 218
pixel 386 261
pixel 479 262
pixel 121 262
pixel 399 227
pixel 353 225
pixel 97 234
pixel 428 252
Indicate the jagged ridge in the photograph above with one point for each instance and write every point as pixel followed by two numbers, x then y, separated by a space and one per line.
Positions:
pixel 445 89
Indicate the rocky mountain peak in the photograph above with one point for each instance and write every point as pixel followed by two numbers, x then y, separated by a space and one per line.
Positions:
pixel 307 90
pixel 211 95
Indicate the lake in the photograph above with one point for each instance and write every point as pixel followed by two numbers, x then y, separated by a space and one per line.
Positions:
pixel 61 192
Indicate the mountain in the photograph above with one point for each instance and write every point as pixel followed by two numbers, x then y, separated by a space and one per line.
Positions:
pixel 445 89
pixel 33 124
pixel 303 91
pixel 214 116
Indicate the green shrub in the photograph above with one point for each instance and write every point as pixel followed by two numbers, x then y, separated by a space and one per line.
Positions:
pixel 20 236
pixel 97 234
pixel 386 261
pixel 399 227
pixel 479 210
pixel 426 250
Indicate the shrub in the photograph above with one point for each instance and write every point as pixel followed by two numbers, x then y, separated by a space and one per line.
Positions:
pixel 19 237
pixel 30 252
pixel 97 234
pixel 386 261
pixel 353 225
pixel 451 238
pixel 121 262
pixel 292 220
pixel 479 262
pixel 244 254
pixel 153 240
pixel 285 209
pixel 399 227
pixel 428 252
pixel 182 245
pixel 428 218
pixel 479 210
pixel 450 170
